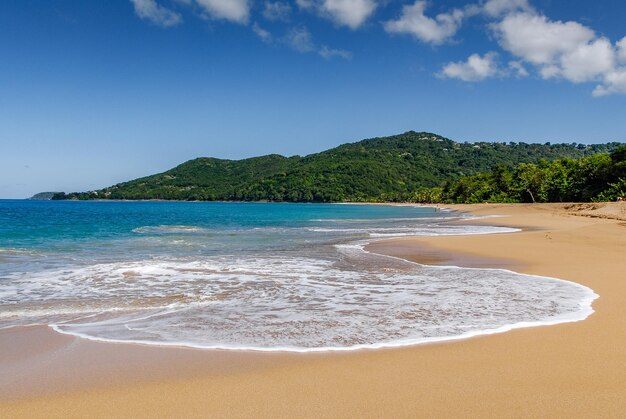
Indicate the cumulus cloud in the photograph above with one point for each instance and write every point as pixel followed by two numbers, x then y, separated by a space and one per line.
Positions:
pixel 532 42
pixel 276 10
pixel 330 53
pixel 621 50
pixel 555 49
pixel 157 14
pixel 300 39
pixel 351 13
pixel 566 50
pixel 588 61
pixel 435 30
pixel 614 83
pixel 475 68
pixel 538 40
pixel 263 34
pixel 518 69
pixel 496 8
pixel 233 10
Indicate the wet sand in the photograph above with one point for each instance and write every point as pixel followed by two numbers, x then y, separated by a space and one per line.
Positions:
pixel 569 370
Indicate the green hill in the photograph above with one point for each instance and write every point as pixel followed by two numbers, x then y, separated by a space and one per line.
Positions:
pixel 387 168
pixel 43 196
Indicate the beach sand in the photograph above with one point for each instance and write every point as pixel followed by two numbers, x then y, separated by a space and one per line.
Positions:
pixel 568 370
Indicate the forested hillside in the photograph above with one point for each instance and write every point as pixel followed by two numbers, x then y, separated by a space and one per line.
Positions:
pixel 601 177
pixel 378 169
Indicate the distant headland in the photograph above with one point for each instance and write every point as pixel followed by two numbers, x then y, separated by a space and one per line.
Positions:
pixel 44 196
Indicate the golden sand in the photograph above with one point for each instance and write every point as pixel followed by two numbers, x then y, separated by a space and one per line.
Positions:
pixel 568 370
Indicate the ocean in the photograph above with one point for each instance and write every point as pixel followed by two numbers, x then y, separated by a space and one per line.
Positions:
pixel 256 276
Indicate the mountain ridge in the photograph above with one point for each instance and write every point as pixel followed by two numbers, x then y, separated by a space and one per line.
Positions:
pixel 374 169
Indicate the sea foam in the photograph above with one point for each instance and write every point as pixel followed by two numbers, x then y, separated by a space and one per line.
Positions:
pixel 295 304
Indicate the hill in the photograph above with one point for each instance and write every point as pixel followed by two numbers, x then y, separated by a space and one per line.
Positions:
pixel 387 168
pixel 43 196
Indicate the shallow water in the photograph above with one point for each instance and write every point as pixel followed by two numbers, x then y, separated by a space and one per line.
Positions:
pixel 255 276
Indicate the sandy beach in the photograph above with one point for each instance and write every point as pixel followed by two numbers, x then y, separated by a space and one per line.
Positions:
pixel 568 370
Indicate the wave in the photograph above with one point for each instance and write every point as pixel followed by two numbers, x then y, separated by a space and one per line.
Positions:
pixel 302 304
pixel 169 229
pixel 582 315
pixel 386 220
pixel 13 251
pixel 426 230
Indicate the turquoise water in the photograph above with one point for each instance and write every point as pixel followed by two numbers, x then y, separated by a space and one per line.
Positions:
pixel 254 276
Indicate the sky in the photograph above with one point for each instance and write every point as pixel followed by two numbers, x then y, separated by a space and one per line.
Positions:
pixel 95 92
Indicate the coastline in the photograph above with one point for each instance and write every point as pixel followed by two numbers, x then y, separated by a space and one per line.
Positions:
pixel 572 369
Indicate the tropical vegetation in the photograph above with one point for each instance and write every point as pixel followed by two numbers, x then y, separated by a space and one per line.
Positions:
pixel 601 177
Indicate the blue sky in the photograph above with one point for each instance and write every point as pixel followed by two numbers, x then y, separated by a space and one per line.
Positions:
pixel 96 92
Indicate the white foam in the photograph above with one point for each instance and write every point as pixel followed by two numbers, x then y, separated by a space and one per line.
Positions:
pixel 424 230
pixel 381 345
pixel 169 229
pixel 300 304
pixel 385 220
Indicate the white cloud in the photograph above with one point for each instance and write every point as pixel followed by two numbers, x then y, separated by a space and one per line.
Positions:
pixel 276 10
pixel 497 8
pixel 300 39
pixel 537 40
pixel 587 62
pixel 567 50
pixel 159 15
pixel 476 68
pixel 329 53
pixel 549 71
pixel 263 34
pixel 233 10
pixel 351 13
pixel 621 50
pixel 614 82
pixel 435 30
pixel 518 69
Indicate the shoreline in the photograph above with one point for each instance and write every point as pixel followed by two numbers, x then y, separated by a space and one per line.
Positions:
pixel 434 261
pixel 581 315
pixel 463 263
pixel 264 369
